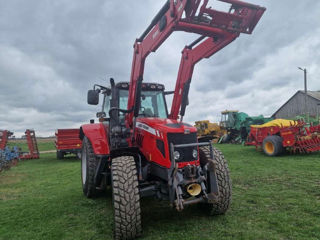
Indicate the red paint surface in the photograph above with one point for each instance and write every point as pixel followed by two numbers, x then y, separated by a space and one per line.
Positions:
pixel 67 139
pixel 149 147
pixel 97 134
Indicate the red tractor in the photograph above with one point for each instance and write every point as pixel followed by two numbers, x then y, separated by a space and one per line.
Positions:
pixel 138 147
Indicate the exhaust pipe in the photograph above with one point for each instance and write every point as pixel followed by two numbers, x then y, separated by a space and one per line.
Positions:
pixel 194 189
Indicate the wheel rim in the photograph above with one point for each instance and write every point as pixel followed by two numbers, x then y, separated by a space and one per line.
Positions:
pixel 269 147
pixel 84 166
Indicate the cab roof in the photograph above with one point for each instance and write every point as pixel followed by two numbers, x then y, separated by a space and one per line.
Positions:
pixel 145 86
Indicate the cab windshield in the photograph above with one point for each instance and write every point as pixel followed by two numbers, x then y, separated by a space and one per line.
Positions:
pixel 152 103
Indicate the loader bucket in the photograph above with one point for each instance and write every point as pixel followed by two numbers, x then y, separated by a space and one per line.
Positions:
pixel 242 17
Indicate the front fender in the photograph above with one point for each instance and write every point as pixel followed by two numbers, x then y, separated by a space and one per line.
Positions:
pixel 97 134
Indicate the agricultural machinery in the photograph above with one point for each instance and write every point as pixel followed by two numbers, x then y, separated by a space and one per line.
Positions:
pixel 237 125
pixel 309 120
pixel 4 136
pixel 140 149
pixel 68 142
pixel 33 153
pixel 31 142
pixel 279 135
pixel 8 157
pixel 208 131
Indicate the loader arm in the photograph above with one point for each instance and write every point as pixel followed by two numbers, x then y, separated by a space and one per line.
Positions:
pixel 190 56
pixel 216 27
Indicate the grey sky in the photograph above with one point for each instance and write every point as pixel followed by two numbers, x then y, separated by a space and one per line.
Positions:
pixel 52 52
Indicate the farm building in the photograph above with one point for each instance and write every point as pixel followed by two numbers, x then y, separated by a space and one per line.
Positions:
pixel 296 105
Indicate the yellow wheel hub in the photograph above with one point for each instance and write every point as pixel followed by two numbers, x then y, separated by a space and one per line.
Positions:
pixel 269 147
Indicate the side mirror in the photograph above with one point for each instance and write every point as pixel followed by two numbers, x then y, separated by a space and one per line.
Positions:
pixel 93 97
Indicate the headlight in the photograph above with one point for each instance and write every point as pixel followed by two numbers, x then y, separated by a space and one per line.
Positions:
pixel 176 155
pixel 195 153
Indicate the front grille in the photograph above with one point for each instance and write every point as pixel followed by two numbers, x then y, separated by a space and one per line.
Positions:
pixel 181 138
pixel 139 139
pixel 160 146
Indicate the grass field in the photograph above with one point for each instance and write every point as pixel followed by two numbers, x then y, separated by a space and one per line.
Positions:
pixel 273 198
pixel 43 144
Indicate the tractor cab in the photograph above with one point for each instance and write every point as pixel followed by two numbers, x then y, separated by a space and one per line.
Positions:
pixel 201 126
pixel 152 100
pixel 228 118
pixel 115 99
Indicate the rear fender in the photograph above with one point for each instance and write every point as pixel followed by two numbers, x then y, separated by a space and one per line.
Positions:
pixel 97 134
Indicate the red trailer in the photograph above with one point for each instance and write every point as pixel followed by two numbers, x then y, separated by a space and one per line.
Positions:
pixel 279 135
pixel 68 142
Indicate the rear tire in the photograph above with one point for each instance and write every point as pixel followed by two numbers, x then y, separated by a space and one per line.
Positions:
pixel 88 169
pixel 272 145
pixel 223 179
pixel 126 198
pixel 60 154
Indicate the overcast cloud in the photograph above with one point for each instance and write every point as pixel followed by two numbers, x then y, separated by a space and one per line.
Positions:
pixel 52 52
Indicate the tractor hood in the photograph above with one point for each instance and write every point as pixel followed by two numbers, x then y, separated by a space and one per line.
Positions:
pixel 164 125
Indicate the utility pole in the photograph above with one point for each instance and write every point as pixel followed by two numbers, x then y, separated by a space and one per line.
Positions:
pixel 305 92
pixel 318 117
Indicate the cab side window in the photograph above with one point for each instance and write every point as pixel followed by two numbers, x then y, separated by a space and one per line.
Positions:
pixel 106 105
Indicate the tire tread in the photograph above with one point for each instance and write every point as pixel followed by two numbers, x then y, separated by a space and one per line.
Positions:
pixel 126 198
pixel 277 142
pixel 223 179
pixel 89 189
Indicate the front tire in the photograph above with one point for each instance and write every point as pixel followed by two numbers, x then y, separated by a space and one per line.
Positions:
pixel 126 198
pixel 223 180
pixel 88 169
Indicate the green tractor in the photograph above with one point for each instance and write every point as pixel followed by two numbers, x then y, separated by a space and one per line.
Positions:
pixel 237 124
pixel 308 119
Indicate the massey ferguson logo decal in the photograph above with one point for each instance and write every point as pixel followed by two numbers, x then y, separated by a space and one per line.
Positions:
pixel 147 128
